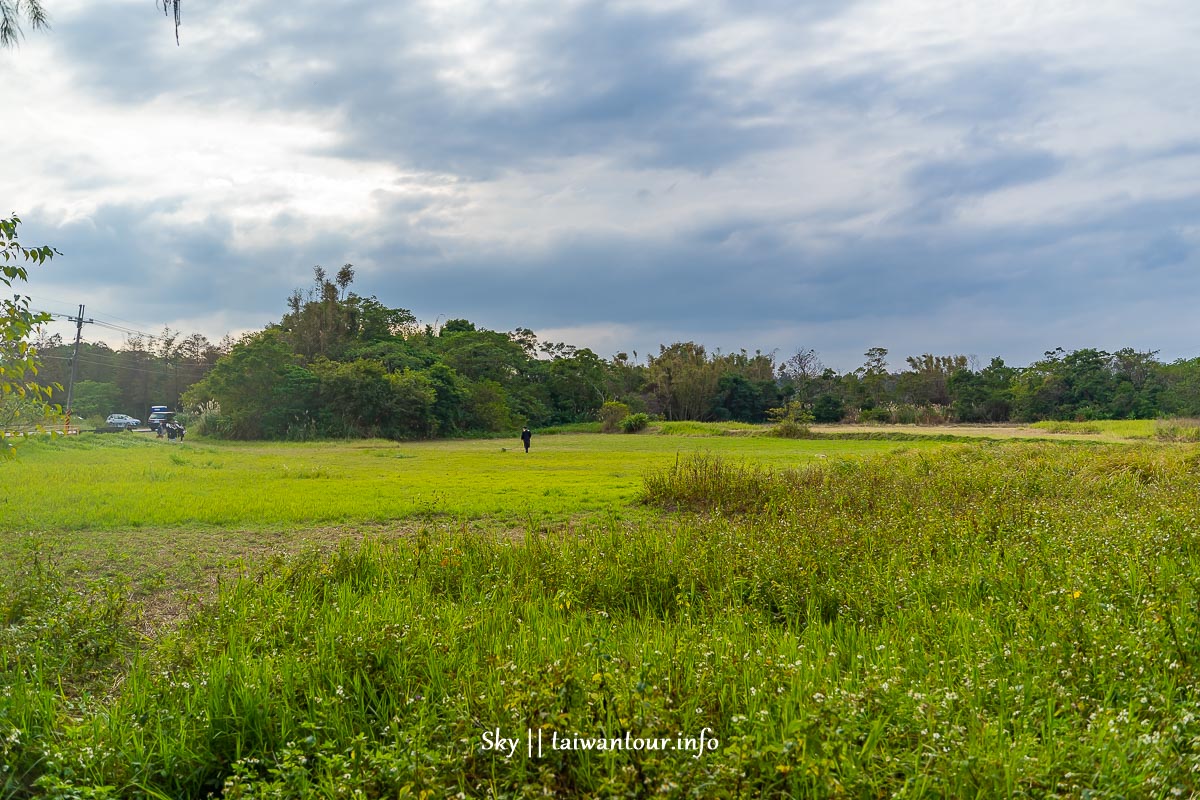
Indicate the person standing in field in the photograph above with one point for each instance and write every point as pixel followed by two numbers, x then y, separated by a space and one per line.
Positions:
pixel 526 436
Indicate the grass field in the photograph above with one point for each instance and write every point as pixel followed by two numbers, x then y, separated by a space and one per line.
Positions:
pixel 790 618
pixel 1125 428
pixel 131 481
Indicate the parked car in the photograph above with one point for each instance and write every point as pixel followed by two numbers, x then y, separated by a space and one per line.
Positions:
pixel 122 421
pixel 159 417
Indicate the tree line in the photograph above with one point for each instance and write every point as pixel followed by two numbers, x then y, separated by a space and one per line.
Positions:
pixel 338 364
pixel 146 371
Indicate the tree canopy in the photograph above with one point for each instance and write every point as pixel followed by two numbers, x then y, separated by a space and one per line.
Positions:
pixel 21 394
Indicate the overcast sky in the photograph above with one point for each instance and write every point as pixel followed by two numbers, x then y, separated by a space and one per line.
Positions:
pixel 998 177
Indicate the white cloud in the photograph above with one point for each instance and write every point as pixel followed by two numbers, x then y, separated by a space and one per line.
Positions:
pixel 760 159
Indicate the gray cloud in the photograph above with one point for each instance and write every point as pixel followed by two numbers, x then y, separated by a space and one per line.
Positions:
pixel 724 275
pixel 592 80
pixel 788 182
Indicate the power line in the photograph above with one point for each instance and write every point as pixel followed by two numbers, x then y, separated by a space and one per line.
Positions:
pixel 159 370
pixel 108 325
pixel 98 314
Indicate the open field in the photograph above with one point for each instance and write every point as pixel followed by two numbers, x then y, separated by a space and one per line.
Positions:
pixel 171 518
pixel 786 618
pixel 106 483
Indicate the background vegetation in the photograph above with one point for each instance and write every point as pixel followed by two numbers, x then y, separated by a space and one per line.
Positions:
pixel 341 365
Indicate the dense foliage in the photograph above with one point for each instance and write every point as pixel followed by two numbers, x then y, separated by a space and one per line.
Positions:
pixel 24 395
pixel 341 365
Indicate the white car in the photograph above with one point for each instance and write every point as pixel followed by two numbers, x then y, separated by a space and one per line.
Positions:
pixel 122 421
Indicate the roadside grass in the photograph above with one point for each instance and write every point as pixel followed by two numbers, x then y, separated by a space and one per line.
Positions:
pixel 931 621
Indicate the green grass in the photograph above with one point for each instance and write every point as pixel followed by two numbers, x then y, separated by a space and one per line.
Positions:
pixel 119 482
pixel 1178 430
pixel 928 620
pixel 707 428
pixel 1123 428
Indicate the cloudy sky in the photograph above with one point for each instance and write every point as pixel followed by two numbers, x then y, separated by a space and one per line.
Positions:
pixel 998 177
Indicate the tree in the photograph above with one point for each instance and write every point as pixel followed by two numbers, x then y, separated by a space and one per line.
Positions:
pixel 682 380
pixel 250 383
pixel 742 399
pixel 984 396
pixel 575 385
pixel 872 378
pixel 1181 390
pixel 482 355
pixel 362 399
pixel 1140 384
pixel 488 407
pixel 801 372
pixel 11 12
pixel 925 381
pixel 624 378
pixel 18 358
pixel 450 399
pixel 828 408
pixel 95 399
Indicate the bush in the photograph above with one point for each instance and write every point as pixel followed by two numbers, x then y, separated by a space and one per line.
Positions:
pixel 907 414
pixel 875 415
pixel 635 423
pixel 208 420
pixel 791 421
pixel 611 415
pixel 828 408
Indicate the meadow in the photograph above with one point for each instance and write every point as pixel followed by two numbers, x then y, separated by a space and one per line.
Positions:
pixel 671 615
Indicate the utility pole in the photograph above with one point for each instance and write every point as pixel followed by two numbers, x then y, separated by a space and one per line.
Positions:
pixel 79 320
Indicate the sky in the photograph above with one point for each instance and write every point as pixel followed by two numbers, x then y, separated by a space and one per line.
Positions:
pixel 994 178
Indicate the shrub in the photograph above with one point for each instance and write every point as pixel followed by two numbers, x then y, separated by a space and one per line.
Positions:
pixel 934 414
pixel 208 419
pixel 828 408
pixel 907 414
pixel 635 422
pixel 874 415
pixel 611 415
pixel 791 421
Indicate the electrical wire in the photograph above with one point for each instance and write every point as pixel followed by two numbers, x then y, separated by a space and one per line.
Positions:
pixel 154 370
pixel 109 326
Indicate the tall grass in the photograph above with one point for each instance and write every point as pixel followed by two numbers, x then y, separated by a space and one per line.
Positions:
pixel 692 428
pixel 1178 430
pixel 989 621
pixel 59 644
pixel 1124 428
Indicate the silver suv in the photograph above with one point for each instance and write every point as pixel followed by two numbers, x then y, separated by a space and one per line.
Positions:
pixel 122 421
